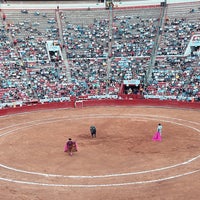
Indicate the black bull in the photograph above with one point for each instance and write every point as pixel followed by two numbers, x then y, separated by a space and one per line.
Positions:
pixel 93 131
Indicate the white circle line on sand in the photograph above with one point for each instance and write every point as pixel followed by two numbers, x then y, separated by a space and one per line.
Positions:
pixel 38 122
pixel 100 185
pixel 98 115
pixel 33 123
pixel 109 175
pixel 102 176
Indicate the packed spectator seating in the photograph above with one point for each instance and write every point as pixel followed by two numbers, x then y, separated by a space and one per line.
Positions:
pixel 26 33
pixel 27 74
pixel 88 36
pixel 134 31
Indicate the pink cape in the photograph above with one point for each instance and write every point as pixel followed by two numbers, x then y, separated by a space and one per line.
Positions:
pixel 65 148
pixel 157 137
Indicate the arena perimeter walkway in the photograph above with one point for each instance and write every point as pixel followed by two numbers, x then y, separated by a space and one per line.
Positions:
pixel 81 4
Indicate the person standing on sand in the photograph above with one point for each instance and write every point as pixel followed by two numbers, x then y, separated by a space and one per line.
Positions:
pixel 70 146
pixel 159 129
pixel 157 135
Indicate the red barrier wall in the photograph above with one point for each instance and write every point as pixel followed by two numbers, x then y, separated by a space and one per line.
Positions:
pixel 34 107
pixel 96 102
pixel 142 102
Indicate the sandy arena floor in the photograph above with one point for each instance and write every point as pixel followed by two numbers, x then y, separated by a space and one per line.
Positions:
pixel 122 163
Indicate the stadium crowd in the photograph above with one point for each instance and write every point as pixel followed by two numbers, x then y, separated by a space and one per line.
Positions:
pixel 27 74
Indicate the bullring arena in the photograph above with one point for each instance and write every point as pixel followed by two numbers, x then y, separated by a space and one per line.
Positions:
pixel 38 116
pixel 121 163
